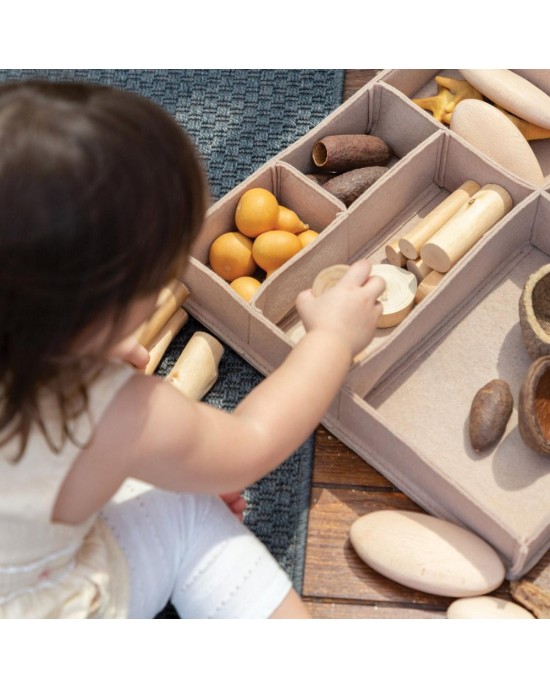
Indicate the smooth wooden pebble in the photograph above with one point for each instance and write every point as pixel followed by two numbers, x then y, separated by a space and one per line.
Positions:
pixel 512 92
pixel 489 130
pixel 486 607
pixel 427 553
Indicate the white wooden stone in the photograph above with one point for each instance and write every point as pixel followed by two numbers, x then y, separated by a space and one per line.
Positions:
pixel 427 553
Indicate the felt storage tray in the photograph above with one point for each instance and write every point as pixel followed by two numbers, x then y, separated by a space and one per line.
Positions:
pixel 413 424
pixel 420 83
pixel 406 193
pixel 405 402
pixel 377 110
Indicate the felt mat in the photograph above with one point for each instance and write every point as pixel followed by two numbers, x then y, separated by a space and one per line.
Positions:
pixel 238 120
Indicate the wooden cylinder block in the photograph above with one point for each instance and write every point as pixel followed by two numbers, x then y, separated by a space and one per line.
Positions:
pixel 394 255
pixel 428 284
pixel 466 226
pixel 196 369
pixel 418 268
pixel 412 242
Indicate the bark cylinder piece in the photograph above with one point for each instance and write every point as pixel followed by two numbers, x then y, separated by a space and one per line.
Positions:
pixel 411 243
pixel 466 227
pixel 348 186
pixel 534 406
pixel 196 369
pixel 534 312
pixel 343 152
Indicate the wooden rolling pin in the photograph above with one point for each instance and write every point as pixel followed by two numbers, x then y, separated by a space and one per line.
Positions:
pixel 196 369
pixel 162 341
pixel 466 226
pixel 169 300
pixel 412 242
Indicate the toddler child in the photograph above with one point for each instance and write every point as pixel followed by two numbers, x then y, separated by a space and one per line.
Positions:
pixel 109 478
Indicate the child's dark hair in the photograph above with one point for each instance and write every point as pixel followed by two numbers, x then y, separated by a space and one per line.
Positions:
pixel 101 196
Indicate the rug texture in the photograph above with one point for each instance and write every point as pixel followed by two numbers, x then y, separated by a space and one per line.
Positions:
pixel 238 120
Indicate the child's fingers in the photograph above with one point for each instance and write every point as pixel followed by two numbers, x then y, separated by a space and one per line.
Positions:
pixel 357 273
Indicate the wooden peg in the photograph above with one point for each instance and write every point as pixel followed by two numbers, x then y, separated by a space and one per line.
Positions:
pixel 394 255
pixel 162 341
pixel 169 300
pixel 412 242
pixel 196 369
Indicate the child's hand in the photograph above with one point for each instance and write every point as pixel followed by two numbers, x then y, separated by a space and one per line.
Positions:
pixel 236 503
pixel 349 309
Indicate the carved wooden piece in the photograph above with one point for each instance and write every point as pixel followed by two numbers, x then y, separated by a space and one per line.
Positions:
pixel 196 370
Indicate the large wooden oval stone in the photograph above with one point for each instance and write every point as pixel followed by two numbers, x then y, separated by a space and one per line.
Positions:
pixel 486 607
pixel 427 553
pixel 489 130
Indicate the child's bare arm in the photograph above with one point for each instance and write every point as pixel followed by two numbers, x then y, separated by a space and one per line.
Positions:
pixel 157 435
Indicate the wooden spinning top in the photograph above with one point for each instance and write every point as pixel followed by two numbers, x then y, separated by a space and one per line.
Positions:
pixel 534 312
pixel 397 299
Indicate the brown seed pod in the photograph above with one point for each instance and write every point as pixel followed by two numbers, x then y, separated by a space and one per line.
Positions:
pixel 343 152
pixel 489 414
pixel 348 186
pixel 534 312
pixel 534 406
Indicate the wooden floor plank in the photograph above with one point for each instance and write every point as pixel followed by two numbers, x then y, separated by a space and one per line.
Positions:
pixel 329 609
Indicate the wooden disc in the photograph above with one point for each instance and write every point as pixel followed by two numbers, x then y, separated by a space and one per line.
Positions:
pixel 327 278
pixel 490 131
pixel 398 297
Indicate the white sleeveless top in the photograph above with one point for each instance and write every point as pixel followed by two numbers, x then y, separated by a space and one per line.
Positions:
pixel 54 570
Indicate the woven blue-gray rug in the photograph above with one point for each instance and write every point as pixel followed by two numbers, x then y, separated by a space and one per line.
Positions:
pixel 238 120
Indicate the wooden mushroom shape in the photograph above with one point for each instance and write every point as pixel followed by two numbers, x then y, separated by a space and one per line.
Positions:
pixel 534 406
pixel 534 312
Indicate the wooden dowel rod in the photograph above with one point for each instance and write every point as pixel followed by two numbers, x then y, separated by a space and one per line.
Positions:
pixel 411 243
pixel 164 338
pixel 170 298
pixel 466 227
